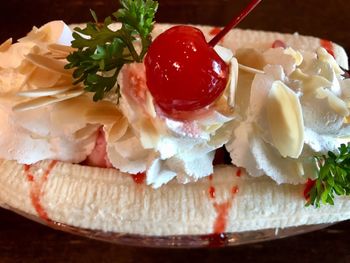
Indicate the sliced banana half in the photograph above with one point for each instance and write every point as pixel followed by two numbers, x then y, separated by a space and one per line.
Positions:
pixel 111 201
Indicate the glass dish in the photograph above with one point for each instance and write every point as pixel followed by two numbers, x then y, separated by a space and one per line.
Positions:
pixel 184 241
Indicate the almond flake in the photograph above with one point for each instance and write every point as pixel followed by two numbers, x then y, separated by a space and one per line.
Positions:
pixel 323 55
pixel 233 82
pixel 70 93
pixel 250 70
pixel 337 104
pixel 85 132
pixel 60 48
pixel 50 64
pixel 35 103
pixel 284 115
pixel 41 78
pixel 6 45
pixel 45 101
pixel 297 56
pixel 224 53
pixel 103 113
pixel 42 92
pixel 310 82
pixel 118 130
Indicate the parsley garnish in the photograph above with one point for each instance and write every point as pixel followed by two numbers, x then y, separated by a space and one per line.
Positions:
pixel 102 52
pixel 333 177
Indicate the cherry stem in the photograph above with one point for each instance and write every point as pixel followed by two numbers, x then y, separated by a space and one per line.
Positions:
pixel 234 22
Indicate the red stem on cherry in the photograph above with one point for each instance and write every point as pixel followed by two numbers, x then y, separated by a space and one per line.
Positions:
pixel 234 22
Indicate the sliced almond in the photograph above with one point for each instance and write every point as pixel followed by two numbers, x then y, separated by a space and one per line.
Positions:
pixel 34 103
pixel 104 112
pixel 6 45
pixel 48 63
pixel 250 70
pixel 26 67
pixel 337 104
pixel 251 58
pixel 224 53
pixel 118 129
pixel 60 48
pixel 284 115
pixel 33 36
pixel 149 105
pixel 233 82
pixel 323 55
pixel 149 134
pixel 310 82
pixel 297 56
pixel 42 78
pixel 70 93
pixel 85 132
pixel 45 101
pixel 42 92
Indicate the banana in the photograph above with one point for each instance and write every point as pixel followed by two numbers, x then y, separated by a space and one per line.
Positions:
pixel 110 201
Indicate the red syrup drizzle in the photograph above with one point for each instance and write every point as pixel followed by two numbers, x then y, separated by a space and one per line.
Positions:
pixel 278 43
pixel 327 45
pixel 219 238
pixel 308 186
pixel 239 172
pixel 211 192
pixel 215 31
pixel 36 190
pixel 222 210
pixel 139 178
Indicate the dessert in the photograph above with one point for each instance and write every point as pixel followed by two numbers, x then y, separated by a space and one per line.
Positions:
pixel 50 121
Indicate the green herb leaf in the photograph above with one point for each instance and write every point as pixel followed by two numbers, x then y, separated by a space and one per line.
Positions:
pixel 102 52
pixel 333 177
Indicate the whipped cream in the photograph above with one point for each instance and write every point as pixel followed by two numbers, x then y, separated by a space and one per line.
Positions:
pixel 296 110
pixel 32 78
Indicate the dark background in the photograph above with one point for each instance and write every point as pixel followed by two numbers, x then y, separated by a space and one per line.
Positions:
pixel 24 241
pixel 323 18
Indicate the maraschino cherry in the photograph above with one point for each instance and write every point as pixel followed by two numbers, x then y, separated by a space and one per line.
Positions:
pixel 183 71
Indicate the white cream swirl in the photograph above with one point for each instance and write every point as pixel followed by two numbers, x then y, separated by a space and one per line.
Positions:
pixel 296 110
pixel 34 125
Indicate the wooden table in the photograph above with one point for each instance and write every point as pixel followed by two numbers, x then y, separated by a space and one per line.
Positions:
pixel 24 241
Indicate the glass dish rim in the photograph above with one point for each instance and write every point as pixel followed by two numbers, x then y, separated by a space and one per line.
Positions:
pixel 178 241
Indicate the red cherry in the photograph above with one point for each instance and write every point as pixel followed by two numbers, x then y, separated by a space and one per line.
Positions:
pixel 183 72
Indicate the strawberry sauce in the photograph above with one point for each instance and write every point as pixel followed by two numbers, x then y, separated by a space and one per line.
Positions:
pixel 211 191
pixel 278 43
pixel 218 238
pixel 215 31
pixel 327 45
pixel 139 178
pixel 308 186
pixel 239 172
pixel 222 209
pixel 36 188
